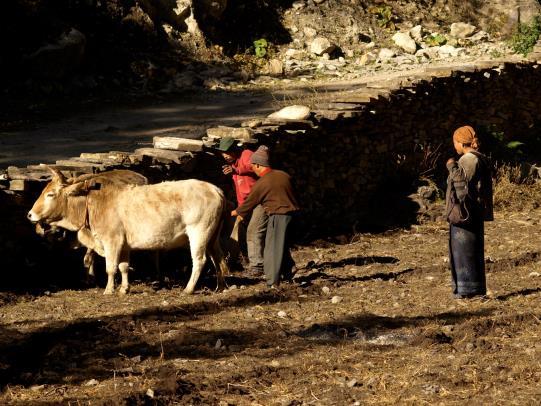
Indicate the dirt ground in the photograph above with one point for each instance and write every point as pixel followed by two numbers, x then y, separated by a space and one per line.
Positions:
pixel 368 321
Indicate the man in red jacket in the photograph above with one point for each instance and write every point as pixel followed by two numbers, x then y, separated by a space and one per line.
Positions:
pixel 238 165
pixel 274 192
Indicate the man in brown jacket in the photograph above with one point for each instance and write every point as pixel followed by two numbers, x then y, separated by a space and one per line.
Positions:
pixel 274 192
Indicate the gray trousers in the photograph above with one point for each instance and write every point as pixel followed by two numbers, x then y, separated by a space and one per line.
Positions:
pixel 277 258
pixel 255 237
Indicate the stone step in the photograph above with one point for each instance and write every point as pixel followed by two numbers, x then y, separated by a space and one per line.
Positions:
pixel 178 144
pixel 160 155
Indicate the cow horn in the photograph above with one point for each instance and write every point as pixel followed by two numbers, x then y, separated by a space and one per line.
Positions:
pixel 58 175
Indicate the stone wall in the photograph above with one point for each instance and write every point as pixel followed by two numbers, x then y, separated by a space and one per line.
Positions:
pixel 355 163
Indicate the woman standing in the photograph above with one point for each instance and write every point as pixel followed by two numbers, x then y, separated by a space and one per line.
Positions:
pixel 468 205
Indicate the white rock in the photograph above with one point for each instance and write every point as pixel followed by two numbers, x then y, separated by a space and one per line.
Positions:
pixel 350 53
pixel 534 274
pixel 295 112
pixel 92 382
pixel 150 393
pixel 462 30
pixel 417 33
pixel 325 290
pixel 385 54
pixel 448 50
pixel 321 45
pixel 282 314
pixel 218 344
pixel 480 36
pixel 294 53
pixel 367 58
pixel 404 41
pixel 336 299
pixel 309 32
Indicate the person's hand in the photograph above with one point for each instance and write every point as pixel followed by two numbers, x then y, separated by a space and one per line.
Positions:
pixel 227 169
pixel 450 164
pixel 234 213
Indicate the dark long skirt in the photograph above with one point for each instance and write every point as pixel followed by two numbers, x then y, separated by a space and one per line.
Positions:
pixel 467 259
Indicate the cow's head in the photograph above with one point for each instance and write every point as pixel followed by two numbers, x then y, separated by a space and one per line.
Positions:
pixel 51 205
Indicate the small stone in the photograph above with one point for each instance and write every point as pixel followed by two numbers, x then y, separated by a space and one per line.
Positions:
pixel 417 33
pixel 36 388
pixel 367 58
pixel 336 299
pixel 218 344
pixel 309 32
pixel 150 393
pixel 325 290
pixel 282 314
pixel 92 382
pixel 321 45
pixel 385 54
pixel 233 287
pixel 352 383
pixel 534 274
pixel 462 30
pixel 470 347
pixel 275 364
pixel 404 41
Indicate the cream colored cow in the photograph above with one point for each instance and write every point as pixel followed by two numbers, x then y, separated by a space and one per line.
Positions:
pixel 151 217
pixel 117 178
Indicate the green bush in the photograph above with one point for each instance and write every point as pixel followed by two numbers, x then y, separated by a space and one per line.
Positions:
pixel 260 47
pixel 434 40
pixel 384 16
pixel 525 36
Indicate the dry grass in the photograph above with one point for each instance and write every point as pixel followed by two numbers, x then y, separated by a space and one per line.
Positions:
pixel 515 191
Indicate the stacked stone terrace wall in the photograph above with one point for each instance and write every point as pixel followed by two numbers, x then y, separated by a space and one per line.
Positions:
pixel 354 162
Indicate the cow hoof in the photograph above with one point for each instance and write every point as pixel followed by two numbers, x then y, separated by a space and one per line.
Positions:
pixel 123 291
pixel 108 292
pixel 188 291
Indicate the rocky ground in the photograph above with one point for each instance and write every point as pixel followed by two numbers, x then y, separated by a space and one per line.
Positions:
pixel 369 319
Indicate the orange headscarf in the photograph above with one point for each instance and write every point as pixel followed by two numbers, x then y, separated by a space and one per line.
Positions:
pixel 466 135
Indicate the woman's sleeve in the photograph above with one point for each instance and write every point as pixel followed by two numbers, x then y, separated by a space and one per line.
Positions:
pixel 458 179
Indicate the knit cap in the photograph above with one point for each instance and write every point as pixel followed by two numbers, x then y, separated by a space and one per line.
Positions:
pixel 261 156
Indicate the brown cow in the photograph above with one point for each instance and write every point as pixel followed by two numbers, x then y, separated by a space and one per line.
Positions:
pixel 151 217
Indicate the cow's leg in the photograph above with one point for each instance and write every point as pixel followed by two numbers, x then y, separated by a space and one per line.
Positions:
pixel 112 257
pixel 88 261
pixel 197 250
pixel 124 267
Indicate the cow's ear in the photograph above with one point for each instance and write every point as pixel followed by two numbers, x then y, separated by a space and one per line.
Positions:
pixel 58 176
pixel 78 189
